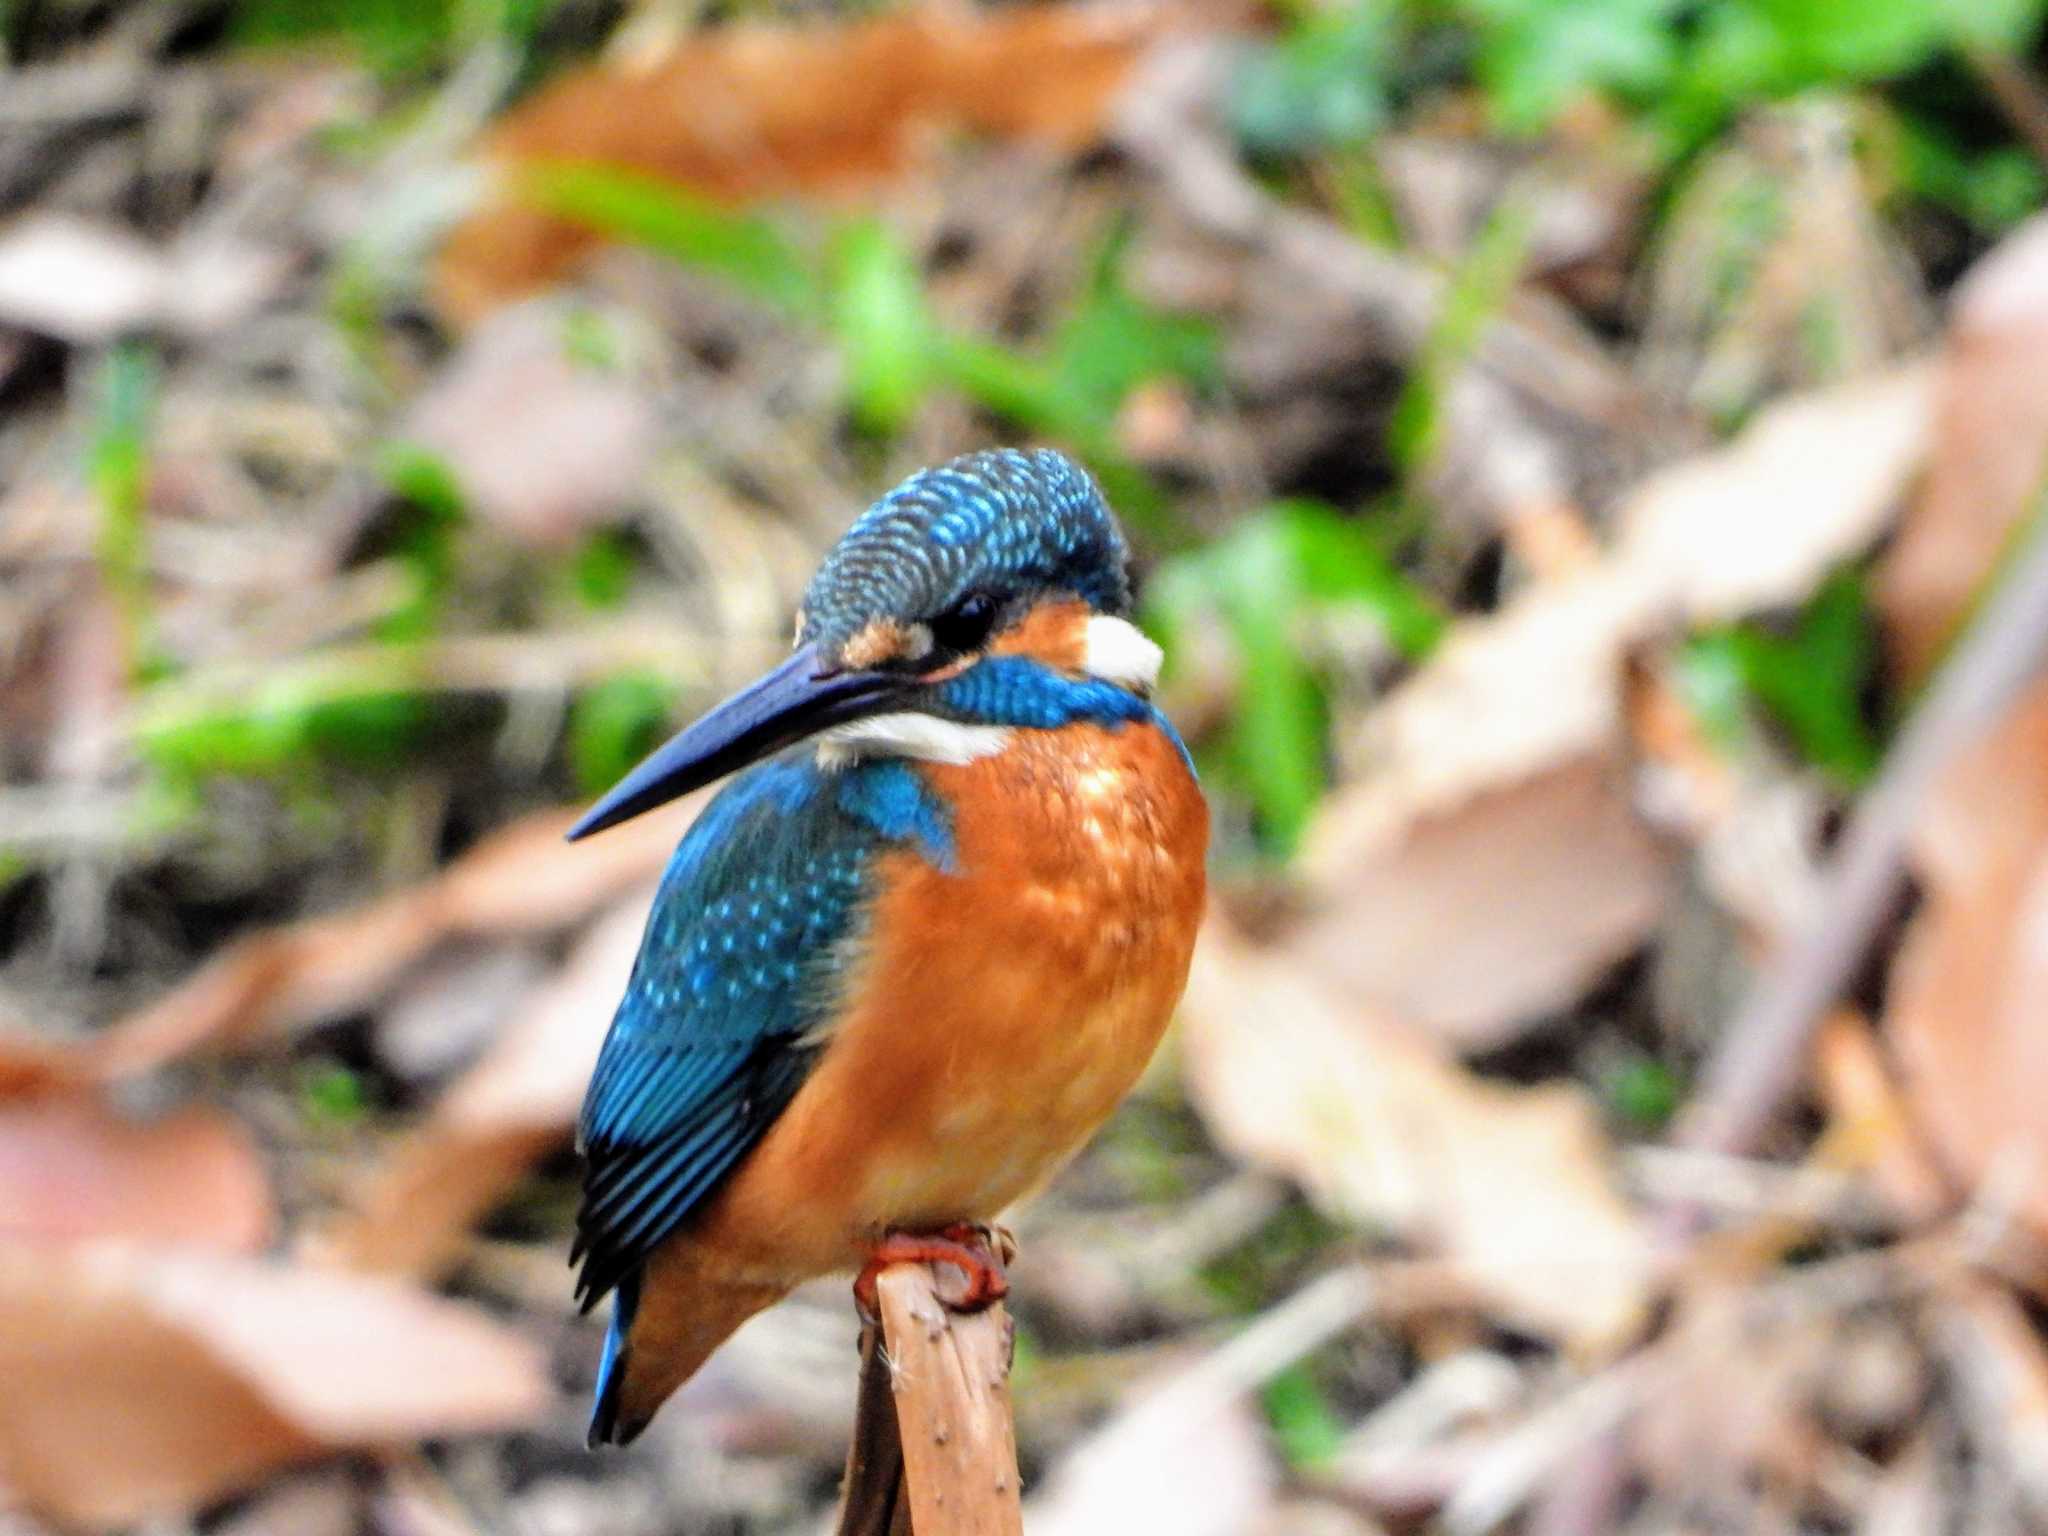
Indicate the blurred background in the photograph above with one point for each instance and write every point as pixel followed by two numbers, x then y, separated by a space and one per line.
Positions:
pixel 1564 441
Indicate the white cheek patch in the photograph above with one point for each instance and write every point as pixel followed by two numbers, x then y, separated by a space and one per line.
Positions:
pixel 924 737
pixel 1117 651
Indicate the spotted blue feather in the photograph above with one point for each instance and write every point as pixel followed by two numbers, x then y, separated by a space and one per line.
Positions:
pixel 1022 520
pixel 744 956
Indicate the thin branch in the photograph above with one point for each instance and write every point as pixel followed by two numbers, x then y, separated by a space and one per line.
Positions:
pixel 1764 1048
pixel 2018 94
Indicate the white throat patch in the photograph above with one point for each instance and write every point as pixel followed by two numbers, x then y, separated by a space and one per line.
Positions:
pixel 1118 652
pixel 909 734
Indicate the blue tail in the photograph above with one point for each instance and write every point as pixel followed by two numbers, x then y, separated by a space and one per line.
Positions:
pixel 611 1369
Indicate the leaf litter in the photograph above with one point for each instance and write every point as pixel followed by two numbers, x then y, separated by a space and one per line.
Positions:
pixel 146 1380
pixel 1497 850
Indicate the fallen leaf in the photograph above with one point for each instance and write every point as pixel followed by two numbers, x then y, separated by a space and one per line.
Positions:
pixel 1741 1392
pixel 1504 698
pixel 70 1168
pixel 1455 784
pixel 1990 446
pixel 79 281
pixel 2001 1367
pixel 1970 982
pixel 543 445
pixel 142 1383
pixel 523 879
pixel 87 282
pixel 1223 1480
pixel 324 1503
pixel 1910 1495
pixel 499 1117
pixel 1812 481
pixel 755 109
pixel 453 1005
pixel 1511 1185
pixel 1472 921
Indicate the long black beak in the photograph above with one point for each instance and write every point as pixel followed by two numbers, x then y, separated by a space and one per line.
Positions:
pixel 798 699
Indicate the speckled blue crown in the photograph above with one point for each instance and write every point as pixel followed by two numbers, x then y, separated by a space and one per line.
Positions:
pixel 1005 521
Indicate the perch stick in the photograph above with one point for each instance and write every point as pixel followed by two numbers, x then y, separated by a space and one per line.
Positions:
pixel 934 1448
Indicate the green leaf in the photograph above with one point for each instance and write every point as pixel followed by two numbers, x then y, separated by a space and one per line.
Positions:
pixel 1276 743
pixel 1479 289
pixel 117 467
pixel 1322 85
pixel 1113 341
pixel 614 724
pixel 393 37
pixel 1813 679
pixel 1710 681
pixel 884 328
pixel 1810 680
pixel 332 1095
pixel 431 510
pixel 2002 26
pixel 1642 1091
pixel 1341 561
pixel 1307 1428
pixel 602 572
pixel 743 248
pixel 1851 40
pixel 1737 57
pixel 1272 573
pixel 1539 56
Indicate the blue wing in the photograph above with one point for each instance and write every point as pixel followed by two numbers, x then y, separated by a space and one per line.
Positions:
pixel 736 972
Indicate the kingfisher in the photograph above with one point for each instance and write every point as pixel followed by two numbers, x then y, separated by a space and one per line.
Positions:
pixel 905 963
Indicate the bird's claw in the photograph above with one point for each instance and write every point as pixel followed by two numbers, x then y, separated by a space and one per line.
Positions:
pixel 977 1250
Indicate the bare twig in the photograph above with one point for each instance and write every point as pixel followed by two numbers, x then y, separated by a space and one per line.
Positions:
pixel 2018 94
pixel 1765 1047
pixel 934 1449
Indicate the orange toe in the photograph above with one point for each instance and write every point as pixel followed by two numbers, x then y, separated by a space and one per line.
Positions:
pixel 964 1246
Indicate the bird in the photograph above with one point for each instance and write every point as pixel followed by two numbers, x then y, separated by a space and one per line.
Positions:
pixel 905 963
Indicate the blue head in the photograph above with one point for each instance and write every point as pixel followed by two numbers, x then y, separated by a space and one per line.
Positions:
pixel 1006 525
pixel 987 594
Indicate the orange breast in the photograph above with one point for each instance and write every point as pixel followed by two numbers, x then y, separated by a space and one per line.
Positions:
pixel 1005 1008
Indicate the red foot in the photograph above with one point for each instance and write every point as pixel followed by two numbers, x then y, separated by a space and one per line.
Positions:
pixel 977 1252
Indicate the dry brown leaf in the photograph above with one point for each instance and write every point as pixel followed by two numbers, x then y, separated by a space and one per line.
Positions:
pixel 522 879
pixel 71 1168
pixel 1502 752
pixel 142 1383
pixel 1990 449
pixel 1970 984
pixel 1868 1117
pixel 1812 481
pixel 543 446
pixel 1470 922
pixel 1512 1185
pixel 500 1116
pixel 1222 1480
pixel 1742 1392
pixel 762 109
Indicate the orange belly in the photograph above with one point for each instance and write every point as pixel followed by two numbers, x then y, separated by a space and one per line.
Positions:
pixel 1002 1012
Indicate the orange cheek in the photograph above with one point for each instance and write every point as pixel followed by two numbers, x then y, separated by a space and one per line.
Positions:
pixel 1055 633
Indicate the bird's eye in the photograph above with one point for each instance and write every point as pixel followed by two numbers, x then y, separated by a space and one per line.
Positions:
pixel 965 625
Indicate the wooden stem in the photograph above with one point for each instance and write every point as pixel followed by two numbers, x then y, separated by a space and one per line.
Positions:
pixel 934 1449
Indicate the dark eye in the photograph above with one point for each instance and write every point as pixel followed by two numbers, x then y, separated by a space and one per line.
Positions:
pixel 965 625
